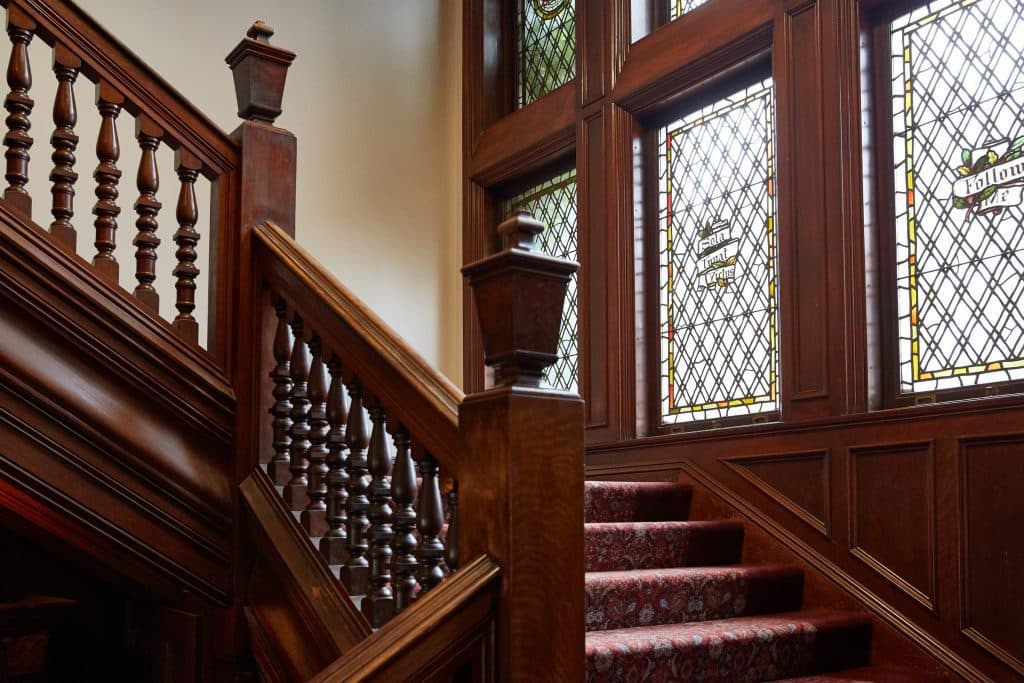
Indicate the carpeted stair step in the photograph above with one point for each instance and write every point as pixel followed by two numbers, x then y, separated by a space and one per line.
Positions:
pixel 739 650
pixel 612 546
pixel 631 501
pixel 648 597
pixel 871 674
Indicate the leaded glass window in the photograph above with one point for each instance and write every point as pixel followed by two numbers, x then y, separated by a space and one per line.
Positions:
pixel 547 47
pixel 677 8
pixel 717 270
pixel 554 203
pixel 958 143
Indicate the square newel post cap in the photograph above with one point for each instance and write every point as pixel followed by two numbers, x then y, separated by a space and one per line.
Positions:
pixel 259 70
pixel 519 294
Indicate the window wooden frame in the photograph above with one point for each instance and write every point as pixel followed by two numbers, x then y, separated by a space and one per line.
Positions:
pixel 622 89
pixel 876 19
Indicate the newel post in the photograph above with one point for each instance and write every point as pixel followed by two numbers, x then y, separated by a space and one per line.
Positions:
pixel 521 487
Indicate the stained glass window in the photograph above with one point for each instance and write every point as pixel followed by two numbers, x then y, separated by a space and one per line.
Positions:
pixel 547 47
pixel 677 8
pixel 554 204
pixel 958 143
pixel 718 321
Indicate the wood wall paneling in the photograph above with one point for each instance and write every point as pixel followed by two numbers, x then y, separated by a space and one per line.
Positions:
pixel 798 482
pixel 892 515
pixel 991 482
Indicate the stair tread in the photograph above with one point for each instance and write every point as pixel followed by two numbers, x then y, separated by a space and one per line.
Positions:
pixel 870 674
pixel 626 501
pixel 610 546
pixel 752 648
pixel 645 597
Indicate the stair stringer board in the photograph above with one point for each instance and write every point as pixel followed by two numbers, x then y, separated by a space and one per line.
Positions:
pixel 115 436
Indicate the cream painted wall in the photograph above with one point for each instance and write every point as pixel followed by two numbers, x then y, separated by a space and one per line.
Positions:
pixel 374 99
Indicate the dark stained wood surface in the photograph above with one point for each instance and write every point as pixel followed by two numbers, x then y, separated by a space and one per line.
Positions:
pixel 450 629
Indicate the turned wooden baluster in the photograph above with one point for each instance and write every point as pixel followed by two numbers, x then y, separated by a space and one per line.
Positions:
pixel 64 141
pixel 277 468
pixel 19 105
pixel 332 544
pixel 314 517
pixel 451 538
pixel 107 175
pixel 186 238
pixel 379 605
pixel 356 572
pixel 403 493
pixel 147 206
pixel 295 489
pixel 430 521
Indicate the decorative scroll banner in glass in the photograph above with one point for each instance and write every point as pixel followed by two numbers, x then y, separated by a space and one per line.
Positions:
pixel 677 8
pixel 958 100
pixel 719 339
pixel 547 47
pixel 554 204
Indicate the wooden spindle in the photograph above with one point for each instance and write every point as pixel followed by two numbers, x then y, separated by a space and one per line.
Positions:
pixel 19 105
pixel 332 544
pixel 403 493
pixel 430 521
pixel 277 468
pixel 186 237
pixel 107 175
pixel 147 207
pixel 314 517
pixel 451 539
pixel 295 489
pixel 356 572
pixel 64 141
pixel 379 604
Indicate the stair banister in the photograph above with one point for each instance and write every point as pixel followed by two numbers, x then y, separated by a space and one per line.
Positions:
pixel 521 484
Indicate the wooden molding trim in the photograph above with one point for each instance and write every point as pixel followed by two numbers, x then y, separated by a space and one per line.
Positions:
pixel 422 639
pixel 286 548
pixel 417 395
pixel 660 68
pixel 104 57
pixel 526 139
pixel 70 524
pixel 66 293
pixel 857 590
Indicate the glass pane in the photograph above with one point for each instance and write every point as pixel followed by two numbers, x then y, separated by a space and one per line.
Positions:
pixel 554 204
pixel 677 8
pixel 958 94
pixel 547 47
pixel 719 328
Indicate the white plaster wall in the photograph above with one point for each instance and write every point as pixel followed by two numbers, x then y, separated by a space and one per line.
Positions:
pixel 374 99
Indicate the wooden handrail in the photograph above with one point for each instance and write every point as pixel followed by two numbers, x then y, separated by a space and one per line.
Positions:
pixel 444 630
pixel 333 616
pixel 106 58
pixel 418 396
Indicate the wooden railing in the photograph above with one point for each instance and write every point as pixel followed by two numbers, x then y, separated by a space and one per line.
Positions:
pixel 162 117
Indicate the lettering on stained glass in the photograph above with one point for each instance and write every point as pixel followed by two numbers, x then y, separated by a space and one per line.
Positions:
pixel 991 177
pixel 716 255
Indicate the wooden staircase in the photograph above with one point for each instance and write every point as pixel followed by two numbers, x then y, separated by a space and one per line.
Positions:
pixel 305 498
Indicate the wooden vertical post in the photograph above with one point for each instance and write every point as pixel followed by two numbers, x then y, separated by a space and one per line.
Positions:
pixel 261 189
pixel 522 483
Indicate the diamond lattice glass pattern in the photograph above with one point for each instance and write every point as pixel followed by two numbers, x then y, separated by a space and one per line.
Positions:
pixel 958 98
pixel 677 8
pixel 554 204
pixel 547 47
pixel 718 322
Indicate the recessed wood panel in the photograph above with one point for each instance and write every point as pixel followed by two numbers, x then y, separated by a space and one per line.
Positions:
pixel 992 479
pixel 892 515
pixel 797 481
